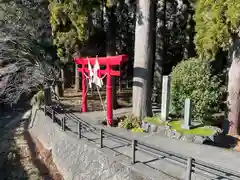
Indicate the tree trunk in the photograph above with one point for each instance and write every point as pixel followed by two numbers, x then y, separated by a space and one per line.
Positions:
pixel 160 49
pixel 143 58
pixel 154 19
pixel 154 40
pixel 102 13
pixel 189 47
pixel 111 48
pixel 234 94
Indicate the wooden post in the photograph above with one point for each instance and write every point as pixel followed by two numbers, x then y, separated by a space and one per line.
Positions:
pixel 109 96
pixel 84 90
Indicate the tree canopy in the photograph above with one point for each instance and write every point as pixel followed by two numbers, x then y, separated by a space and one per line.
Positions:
pixel 71 24
pixel 217 22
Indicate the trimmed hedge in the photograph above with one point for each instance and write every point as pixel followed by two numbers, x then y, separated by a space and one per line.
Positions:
pixel 193 79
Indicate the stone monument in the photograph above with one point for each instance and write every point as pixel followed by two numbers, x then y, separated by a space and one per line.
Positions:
pixel 165 98
pixel 187 114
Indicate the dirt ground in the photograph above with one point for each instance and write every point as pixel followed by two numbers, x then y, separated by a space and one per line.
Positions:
pixel 95 102
pixel 22 157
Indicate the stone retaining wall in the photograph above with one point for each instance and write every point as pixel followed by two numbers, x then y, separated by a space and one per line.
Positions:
pixel 82 160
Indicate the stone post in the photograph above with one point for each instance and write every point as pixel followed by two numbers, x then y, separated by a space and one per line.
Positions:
pixel 58 89
pixel 77 84
pixel 47 96
pixel 62 79
pixel 165 98
pixel 187 114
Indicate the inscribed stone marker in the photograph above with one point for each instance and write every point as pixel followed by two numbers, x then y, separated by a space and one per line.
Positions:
pixel 165 98
pixel 187 114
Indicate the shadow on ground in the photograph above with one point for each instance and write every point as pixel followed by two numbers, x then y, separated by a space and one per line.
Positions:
pixel 94 101
pixel 223 141
pixel 34 153
pixel 11 156
pixel 19 155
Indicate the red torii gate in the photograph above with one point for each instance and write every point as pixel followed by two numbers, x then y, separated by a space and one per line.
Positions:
pixel 108 61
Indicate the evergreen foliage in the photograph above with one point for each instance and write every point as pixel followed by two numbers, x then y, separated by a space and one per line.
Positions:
pixel 129 122
pixel 69 21
pixel 216 23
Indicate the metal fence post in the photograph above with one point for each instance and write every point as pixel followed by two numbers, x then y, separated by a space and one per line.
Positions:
pixel 101 138
pixel 79 129
pixel 189 168
pixel 53 115
pixel 63 123
pixel 134 142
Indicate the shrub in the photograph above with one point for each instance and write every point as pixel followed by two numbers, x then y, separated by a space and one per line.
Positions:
pixel 130 122
pixel 193 79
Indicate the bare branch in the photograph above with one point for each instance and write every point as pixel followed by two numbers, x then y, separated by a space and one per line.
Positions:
pixel 24 63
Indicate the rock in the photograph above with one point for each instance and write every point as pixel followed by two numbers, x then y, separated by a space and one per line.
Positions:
pixel 211 138
pixel 169 132
pixel 199 139
pixel 217 131
pixel 177 135
pixel 161 130
pixel 153 128
pixel 188 137
pixel 146 127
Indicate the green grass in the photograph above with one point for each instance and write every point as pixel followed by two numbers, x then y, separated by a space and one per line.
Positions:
pixel 137 130
pixel 201 131
pixel 176 125
pixel 154 120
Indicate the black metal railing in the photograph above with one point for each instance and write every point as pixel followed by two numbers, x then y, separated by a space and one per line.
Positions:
pixel 191 164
